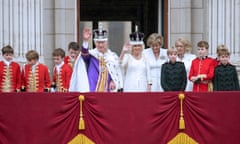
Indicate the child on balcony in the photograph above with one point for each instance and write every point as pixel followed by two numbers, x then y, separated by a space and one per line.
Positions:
pixel 225 74
pixel 202 69
pixel 73 52
pixel 35 75
pixel 61 72
pixel 10 73
pixel 173 75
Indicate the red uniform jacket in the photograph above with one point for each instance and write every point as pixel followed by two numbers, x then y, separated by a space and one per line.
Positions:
pixel 67 60
pixel 10 78
pixel 37 81
pixel 62 80
pixel 202 66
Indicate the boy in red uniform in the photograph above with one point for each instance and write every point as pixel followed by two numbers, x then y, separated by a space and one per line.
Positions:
pixel 10 73
pixel 35 75
pixel 73 52
pixel 61 73
pixel 202 69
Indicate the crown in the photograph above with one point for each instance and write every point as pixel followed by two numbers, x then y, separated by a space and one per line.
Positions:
pixel 100 34
pixel 136 37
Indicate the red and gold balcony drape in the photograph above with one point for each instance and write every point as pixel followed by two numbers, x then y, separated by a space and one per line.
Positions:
pixel 119 118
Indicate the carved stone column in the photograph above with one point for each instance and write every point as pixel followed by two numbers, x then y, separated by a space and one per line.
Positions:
pixel 223 25
pixel 21 26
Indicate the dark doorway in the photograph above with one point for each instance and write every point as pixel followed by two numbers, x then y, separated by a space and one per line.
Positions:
pixel 143 13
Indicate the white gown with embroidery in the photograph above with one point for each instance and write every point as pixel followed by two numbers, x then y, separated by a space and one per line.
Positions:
pixel 137 74
pixel 155 67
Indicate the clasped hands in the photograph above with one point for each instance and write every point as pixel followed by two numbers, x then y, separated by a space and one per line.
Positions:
pixel 198 78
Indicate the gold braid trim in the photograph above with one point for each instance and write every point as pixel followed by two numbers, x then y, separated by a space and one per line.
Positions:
pixel 102 83
pixel 7 77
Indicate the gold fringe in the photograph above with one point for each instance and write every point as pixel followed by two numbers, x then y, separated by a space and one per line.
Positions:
pixel 181 120
pixel 81 139
pixel 182 138
pixel 81 120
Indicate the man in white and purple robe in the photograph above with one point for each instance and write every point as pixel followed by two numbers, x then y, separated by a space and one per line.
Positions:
pixel 104 73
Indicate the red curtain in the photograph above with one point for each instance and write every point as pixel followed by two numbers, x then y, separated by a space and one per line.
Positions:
pixel 119 118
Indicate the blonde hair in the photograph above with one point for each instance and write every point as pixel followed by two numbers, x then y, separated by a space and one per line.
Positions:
pixel 155 38
pixel 171 50
pixel 222 50
pixel 186 43
pixel 220 47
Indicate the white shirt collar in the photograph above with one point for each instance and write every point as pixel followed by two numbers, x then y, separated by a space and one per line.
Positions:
pixel 58 67
pixel 7 62
pixel 34 67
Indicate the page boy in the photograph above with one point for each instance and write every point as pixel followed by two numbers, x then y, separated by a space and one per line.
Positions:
pixel 73 52
pixel 202 69
pixel 10 72
pixel 225 75
pixel 61 72
pixel 35 75
pixel 173 73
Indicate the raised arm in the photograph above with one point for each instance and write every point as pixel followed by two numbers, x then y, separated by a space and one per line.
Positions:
pixel 85 46
pixel 126 49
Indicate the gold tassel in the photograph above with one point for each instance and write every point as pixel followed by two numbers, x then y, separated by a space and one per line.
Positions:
pixel 181 123
pixel 181 137
pixel 181 120
pixel 81 138
pixel 81 120
pixel 81 124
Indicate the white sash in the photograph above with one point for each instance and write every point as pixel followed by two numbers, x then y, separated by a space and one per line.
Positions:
pixel 79 80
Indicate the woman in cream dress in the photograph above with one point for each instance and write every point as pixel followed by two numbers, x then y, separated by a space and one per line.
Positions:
pixel 155 56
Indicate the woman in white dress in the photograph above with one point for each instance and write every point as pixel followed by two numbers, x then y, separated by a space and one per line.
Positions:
pixel 184 55
pixel 155 56
pixel 134 64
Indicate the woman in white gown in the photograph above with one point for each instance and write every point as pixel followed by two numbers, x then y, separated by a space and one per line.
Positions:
pixel 134 64
pixel 155 56
pixel 184 55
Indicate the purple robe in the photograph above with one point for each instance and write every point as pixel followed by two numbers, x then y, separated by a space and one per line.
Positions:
pixel 92 70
